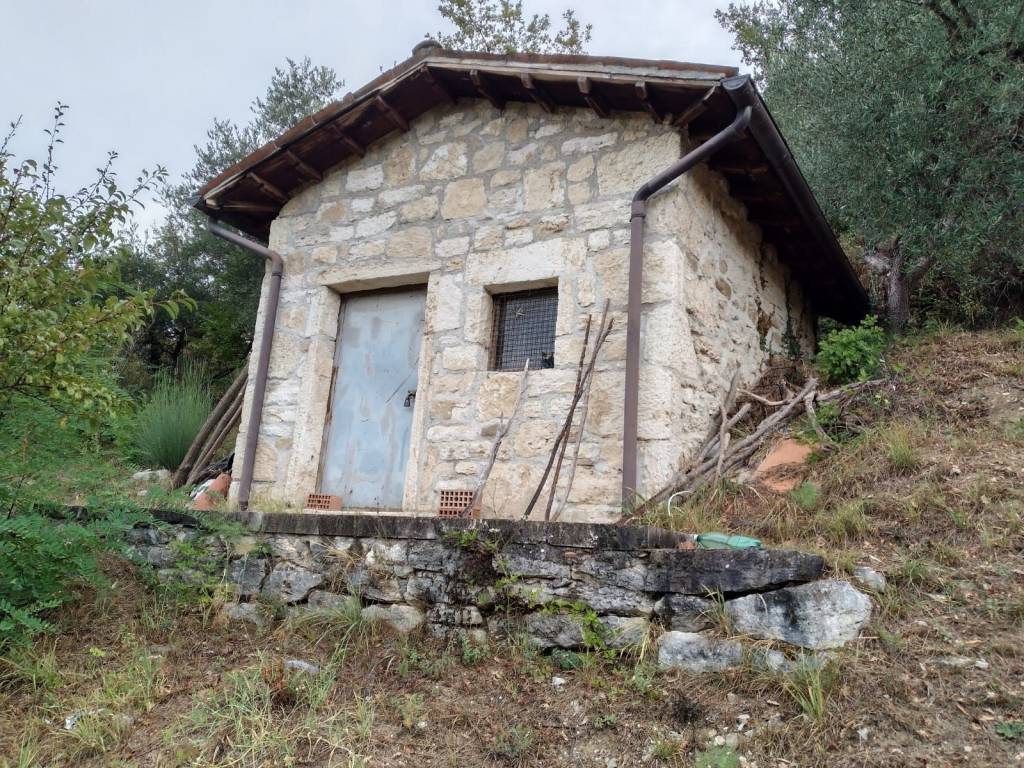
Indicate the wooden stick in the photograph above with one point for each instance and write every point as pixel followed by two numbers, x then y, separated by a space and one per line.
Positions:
pixel 231 418
pixel 812 416
pixel 565 441
pixel 584 407
pixel 599 342
pixel 503 427
pixel 196 449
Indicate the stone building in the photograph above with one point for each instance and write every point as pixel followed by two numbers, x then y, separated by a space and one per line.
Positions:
pixel 464 212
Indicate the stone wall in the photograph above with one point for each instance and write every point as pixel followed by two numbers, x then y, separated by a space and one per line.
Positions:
pixel 562 585
pixel 472 201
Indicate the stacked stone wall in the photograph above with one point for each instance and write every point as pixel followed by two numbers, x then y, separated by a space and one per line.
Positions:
pixel 569 586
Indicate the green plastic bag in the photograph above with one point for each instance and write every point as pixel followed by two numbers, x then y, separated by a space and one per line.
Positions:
pixel 725 541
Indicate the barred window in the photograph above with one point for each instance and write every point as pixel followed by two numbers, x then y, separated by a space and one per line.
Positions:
pixel 524 329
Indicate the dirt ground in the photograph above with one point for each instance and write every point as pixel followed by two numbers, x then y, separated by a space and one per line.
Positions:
pixel 929 491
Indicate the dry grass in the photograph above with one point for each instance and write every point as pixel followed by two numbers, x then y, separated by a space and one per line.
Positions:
pixel 931 493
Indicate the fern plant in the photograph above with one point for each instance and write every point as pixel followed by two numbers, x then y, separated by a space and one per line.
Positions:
pixel 40 560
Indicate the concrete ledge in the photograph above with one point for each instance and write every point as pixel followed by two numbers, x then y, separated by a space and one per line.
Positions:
pixel 602 536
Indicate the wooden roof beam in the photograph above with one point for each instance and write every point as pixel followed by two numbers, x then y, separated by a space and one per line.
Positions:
pixel 594 100
pixel 269 188
pixel 696 109
pixel 353 146
pixel 246 207
pixel 438 85
pixel 485 90
pixel 393 114
pixel 644 96
pixel 537 93
pixel 303 167
pixel 739 169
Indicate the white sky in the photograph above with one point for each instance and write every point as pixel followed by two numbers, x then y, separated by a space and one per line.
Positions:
pixel 147 78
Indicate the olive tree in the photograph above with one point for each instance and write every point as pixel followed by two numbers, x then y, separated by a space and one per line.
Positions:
pixel 906 116
pixel 500 26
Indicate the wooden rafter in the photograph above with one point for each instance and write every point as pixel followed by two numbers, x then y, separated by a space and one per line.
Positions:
pixel 243 206
pixel 353 146
pixel 695 110
pixel 303 167
pixel 594 100
pixel 485 90
pixel 269 188
pixel 438 85
pixel 644 96
pixel 393 114
pixel 738 169
pixel 537 93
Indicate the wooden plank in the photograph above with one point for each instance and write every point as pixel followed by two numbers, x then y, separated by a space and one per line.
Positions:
pixel 484 89
pixel 537 93
pixel 269 188
pixel 594 100
pixel 393 114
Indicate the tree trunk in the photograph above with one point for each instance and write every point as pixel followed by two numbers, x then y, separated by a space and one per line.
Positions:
pixel 897 298
pixel 889 261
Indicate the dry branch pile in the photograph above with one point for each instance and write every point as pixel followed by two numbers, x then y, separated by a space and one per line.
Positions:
pixel 720 455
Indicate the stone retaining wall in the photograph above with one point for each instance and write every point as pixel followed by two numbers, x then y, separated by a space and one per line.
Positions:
pixel 564 585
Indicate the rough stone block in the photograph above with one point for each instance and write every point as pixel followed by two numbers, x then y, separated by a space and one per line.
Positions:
pixel 401 618
pixel 825 614
pixel 291 583
pixel 728 571
pixel 247 574
pixel 686 613
pixel 697 653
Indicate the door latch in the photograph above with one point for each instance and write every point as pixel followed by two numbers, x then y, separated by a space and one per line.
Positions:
pixel 410 396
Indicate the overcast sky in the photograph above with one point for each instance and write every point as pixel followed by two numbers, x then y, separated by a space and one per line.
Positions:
pixel 147 78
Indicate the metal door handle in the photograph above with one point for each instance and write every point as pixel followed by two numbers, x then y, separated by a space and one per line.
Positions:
pixel 409 397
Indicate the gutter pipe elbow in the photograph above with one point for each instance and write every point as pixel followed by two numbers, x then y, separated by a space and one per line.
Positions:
pixel 259 388
pixel 638 215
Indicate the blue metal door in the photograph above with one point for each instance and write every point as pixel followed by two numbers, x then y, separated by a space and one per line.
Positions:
pixel 368 428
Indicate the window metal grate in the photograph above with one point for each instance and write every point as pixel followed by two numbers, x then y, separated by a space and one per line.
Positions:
pixel 524 329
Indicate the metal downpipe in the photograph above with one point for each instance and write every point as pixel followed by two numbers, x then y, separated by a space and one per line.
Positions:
pixel 259 388
pixel 638 216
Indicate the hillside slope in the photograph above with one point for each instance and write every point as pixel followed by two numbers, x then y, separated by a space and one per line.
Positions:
pixel 926 485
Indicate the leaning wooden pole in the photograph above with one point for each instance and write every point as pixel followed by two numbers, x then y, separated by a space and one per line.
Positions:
pixel 209 426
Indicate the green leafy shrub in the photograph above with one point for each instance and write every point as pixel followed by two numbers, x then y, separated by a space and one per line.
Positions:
pixel 165 426
pixel 40 561
pixel 852 354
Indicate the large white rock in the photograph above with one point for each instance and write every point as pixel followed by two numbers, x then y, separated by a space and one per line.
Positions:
pixel 695 652
pixel 822 614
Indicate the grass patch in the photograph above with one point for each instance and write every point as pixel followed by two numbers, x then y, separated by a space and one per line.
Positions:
pixel 810 683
